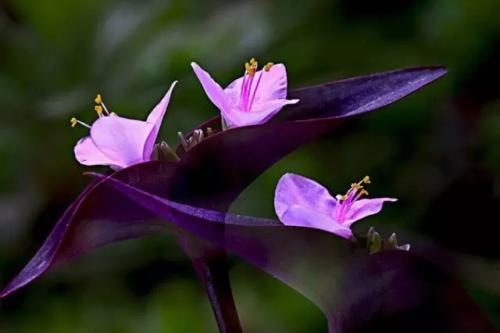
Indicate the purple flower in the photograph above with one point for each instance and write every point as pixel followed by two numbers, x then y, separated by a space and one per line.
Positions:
pixel 117 141
pixel 252 99
pixel 302 202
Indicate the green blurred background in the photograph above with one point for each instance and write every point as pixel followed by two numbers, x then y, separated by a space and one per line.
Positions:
pixel 437 151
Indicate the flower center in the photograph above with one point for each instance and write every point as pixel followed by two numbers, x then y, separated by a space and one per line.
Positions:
pixel 100 108
pixel 345 202
pixel 248 89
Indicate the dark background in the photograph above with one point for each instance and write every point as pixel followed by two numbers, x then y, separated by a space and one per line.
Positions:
pixel 437 151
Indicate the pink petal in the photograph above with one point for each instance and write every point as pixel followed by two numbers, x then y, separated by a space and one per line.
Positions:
pixel 120 139
pixel 87 153
pixel 213 90
pixel 363 208
pixel 233 92
pixel 274 84
pixel 296 190
pixel 259 114
pixel 156 118
pixel 272 107
pixel 302 216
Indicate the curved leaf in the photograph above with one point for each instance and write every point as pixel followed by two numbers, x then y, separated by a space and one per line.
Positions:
pixel 393 291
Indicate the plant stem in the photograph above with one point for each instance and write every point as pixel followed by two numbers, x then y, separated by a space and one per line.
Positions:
pixel 211 266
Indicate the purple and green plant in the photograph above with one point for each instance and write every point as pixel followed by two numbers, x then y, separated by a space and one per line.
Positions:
pixel 212 167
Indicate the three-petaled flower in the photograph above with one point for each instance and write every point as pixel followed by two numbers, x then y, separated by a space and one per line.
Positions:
pixel 117 141
pixel 251 99
pixel 302 202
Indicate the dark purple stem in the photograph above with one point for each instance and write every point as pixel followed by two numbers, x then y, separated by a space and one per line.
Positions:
pixel 215 277
pixel 212 269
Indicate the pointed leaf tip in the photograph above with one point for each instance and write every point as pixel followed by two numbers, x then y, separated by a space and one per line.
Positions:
pixel 358 95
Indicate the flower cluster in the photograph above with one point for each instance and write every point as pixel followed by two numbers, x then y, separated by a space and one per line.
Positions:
pixel 251 99
pixel 119 142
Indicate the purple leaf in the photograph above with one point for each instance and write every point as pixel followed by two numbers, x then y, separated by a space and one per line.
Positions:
pixel 94 219
pixel 394 291
pixel 358 94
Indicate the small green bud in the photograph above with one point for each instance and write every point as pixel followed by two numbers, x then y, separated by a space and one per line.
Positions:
pixel 163 152
pixel 183 141
pixel 374 243
pixel 392 241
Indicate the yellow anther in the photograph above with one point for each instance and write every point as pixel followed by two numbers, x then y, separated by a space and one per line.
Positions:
pixel 356 186
pixel 268 66
pixel 367 180
pixel 98 109
pixel 364 192
pixel 73 121
pixel 249 69
pixel 98 99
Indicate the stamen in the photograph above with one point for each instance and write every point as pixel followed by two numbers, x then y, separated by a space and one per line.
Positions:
pixel 356 186
pixel 359 195
pixel 255 91
pixel 247 94
pixel 249 69
pixel 74 122
pixel 98 109
pixel 346 201
pixel 247 86
pixel 106 109
pixel 100 106
pixel 98 99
